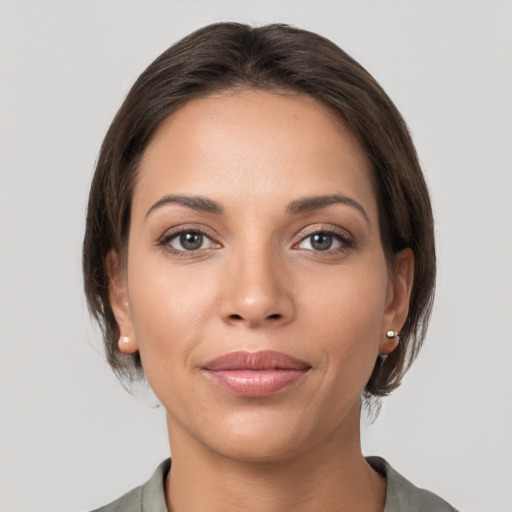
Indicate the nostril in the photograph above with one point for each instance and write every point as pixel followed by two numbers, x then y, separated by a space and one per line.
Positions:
pixel 235 317
pixel 275 316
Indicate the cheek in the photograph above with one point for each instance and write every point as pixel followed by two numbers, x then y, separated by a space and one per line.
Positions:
pixel 169 309
pixel 346 314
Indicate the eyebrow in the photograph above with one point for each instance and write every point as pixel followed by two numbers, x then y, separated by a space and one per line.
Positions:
pixel 304 204
pixel 198 203
pixel 307 204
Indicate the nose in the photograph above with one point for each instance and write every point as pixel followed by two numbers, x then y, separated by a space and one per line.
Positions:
pixel 257 291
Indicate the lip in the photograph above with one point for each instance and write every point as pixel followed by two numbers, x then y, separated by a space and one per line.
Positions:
pixel 255 374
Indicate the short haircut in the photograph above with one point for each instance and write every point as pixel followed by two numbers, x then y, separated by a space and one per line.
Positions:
pixel 277 58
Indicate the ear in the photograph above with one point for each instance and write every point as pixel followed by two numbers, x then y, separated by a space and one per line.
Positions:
pixel 397 300
pixel 118 296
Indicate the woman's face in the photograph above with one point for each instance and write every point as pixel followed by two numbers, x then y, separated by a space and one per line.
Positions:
pixel 256 286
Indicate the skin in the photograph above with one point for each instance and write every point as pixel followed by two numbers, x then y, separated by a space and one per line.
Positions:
pixel 258 283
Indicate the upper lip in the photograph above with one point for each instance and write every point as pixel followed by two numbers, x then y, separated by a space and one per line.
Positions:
pixel 262 360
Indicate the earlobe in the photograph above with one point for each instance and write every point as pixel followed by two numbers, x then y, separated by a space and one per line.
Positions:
pixel 118 295
pixel 397 306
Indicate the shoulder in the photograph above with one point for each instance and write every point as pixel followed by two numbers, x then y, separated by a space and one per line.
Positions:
pixel 403 496
pixel 149 497
pixel 129 502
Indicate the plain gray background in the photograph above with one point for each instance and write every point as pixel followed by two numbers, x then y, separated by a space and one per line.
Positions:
pixel 71 437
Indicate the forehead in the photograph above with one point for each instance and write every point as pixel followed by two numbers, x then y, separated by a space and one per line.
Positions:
pixel 254 144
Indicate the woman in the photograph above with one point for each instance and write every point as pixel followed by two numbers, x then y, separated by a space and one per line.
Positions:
pixel 259 246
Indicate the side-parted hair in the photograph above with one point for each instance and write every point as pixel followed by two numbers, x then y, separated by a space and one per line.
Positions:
pixel 276 58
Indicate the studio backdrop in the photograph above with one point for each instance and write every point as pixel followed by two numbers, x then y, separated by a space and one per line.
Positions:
pixel 71 437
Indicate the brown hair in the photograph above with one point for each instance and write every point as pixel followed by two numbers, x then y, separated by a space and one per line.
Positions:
pixel 225 56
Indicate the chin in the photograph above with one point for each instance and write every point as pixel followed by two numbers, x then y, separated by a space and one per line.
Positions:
pixel 260 437
pixel 259 449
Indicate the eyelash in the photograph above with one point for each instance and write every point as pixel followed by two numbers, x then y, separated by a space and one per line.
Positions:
pixel 165 241
pixel 346 242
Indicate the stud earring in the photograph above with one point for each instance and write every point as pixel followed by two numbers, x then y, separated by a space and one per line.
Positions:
pixel 127 345
pixel 392 334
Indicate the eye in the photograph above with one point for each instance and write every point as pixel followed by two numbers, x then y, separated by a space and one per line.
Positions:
pixel 324 241
pixel 186 241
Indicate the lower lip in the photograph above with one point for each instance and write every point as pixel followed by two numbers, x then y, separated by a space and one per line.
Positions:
pixel 255 383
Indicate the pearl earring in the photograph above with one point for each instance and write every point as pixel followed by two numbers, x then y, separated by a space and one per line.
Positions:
pixel 124 339
pixel 392 334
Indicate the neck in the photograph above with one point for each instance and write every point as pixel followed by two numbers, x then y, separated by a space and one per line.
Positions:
pixel 331 475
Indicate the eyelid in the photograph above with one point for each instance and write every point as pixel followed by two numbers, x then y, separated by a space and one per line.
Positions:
pixel 325 228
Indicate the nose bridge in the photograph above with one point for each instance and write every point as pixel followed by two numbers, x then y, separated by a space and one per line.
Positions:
pixel 256 290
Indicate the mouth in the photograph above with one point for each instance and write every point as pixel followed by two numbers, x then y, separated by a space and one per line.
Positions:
pixel 255 374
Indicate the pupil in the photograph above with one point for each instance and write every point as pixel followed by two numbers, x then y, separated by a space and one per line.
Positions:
pixel 191 241
pixel 321 242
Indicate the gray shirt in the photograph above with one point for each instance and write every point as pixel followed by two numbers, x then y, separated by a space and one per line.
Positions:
pixel 401 495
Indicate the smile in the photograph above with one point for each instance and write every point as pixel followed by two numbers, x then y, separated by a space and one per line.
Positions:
pixel 255 374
